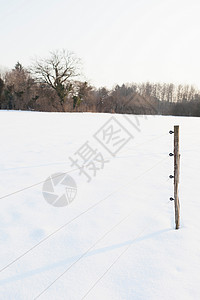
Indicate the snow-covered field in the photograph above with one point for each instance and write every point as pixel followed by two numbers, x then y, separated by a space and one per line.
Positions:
pixel 140 257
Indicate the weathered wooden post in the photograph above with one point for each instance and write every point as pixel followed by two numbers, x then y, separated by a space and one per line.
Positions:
pixel 176 176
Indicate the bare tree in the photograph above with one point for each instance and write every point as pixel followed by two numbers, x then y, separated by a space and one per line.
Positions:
pixel 18 90
pixel 58 71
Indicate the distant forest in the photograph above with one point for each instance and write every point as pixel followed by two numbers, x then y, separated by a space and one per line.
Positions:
pixel 51 85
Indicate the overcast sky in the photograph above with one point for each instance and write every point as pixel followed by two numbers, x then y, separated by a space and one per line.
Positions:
pixel 118 41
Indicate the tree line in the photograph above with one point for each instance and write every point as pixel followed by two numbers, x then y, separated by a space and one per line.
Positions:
pixel 52 84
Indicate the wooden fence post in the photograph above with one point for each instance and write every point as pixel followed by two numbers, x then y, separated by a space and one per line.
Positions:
pixel 176 176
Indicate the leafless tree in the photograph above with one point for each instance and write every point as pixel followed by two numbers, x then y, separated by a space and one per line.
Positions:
pixel 18 88
pixel 58 71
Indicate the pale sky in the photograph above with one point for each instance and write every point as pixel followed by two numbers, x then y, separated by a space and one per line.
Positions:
pixel 118 41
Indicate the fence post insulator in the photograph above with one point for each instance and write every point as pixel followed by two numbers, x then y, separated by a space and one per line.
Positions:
pixel 171 154
pixel 171 176
pixel 171 131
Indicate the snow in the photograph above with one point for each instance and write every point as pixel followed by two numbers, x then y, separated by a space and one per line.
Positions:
pixel 161 263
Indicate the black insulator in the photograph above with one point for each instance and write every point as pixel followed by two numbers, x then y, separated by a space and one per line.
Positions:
pixel 171 199
pixel 171 131
pixel 171 176
pixel 171 154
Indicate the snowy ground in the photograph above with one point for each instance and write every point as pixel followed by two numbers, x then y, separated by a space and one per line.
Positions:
pixel 159 262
